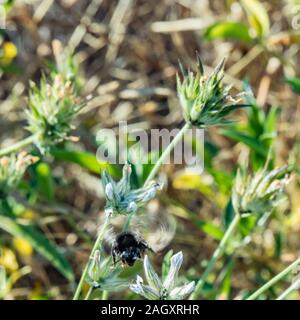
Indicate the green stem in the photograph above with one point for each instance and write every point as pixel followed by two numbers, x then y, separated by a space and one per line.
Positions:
pixel 87 297
pixel 104 295
pixel 127 223
pixel 167 152
pixel 18 145
pixel 294 286
pixel 216 255
pixel 270 283
pixel 160 161
pixel 96 246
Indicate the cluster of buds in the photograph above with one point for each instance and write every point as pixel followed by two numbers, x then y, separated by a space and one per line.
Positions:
pixel 52 108
pixel 165 289
pixel 12 170
pixel 101 275
pixel 259 193
pixel 120 198
pixel 205 101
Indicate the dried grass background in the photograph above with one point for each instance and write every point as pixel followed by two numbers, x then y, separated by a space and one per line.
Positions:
pixel 128 52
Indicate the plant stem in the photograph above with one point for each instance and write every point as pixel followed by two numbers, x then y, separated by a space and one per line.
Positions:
pixel 167 151
pixel 160 161
pixel 104 295
pixel 274 280
pixel 294 286
pixel 96 246
pixel 216 255
pixel 18 145
pixel 87 297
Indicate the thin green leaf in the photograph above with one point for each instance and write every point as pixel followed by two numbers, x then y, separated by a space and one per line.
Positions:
pixel 294 84
pixel 39 242
pixel 210 229
pixel 246 139
pixel 257 16
pixel 228 215
pixel 45 180
pixel 166 264
pixel 226 276
pixel 270 122
pixel 86 160
pixel 228 30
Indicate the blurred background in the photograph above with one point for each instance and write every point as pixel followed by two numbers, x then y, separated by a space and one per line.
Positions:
pixel 127 52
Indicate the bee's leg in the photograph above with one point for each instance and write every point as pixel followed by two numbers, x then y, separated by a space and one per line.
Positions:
pixel 123 262
pixel 113 257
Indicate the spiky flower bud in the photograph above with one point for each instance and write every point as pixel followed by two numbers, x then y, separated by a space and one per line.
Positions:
pixel 204 100
pixel 166 289
pixel 52 107
pixel 120 198
pixel 261 192
pixel 12 170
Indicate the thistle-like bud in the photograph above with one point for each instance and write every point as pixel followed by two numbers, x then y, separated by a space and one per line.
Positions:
pixel 166 289
pixel 120 198
pixel 12 170
pixel 52 107
pixel 204 100
pixel 261 192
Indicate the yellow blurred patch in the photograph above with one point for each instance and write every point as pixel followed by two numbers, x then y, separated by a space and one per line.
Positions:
pixel 8 53
pixel 23 247
pixel 8 260
pixel 29 214
pixel 189 181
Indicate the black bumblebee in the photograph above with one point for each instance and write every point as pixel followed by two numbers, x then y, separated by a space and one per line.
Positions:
pixel 128 247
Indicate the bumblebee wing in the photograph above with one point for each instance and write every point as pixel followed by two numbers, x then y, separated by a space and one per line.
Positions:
pixel 157 228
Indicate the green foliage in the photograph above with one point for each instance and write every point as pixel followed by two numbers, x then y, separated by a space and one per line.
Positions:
pixel 40 243
pixel 44 179
pixel 228 30
pixel 294 84
pixel 257 16
pixel 86 160
pixel 258 134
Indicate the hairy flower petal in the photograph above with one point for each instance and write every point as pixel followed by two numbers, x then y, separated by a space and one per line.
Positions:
pixel 176 262
pixel 151 276
pixel 182 292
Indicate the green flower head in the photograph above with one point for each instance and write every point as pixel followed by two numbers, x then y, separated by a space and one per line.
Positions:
pixel 52 107
pixel 12 170
pixel 261 192
pixel 204 100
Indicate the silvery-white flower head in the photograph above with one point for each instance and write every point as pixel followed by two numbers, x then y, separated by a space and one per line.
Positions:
pixel 204 100
pixel 165 289
pixel 101 275
pixel 12 169
pixel 261 192
pixel 120 198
